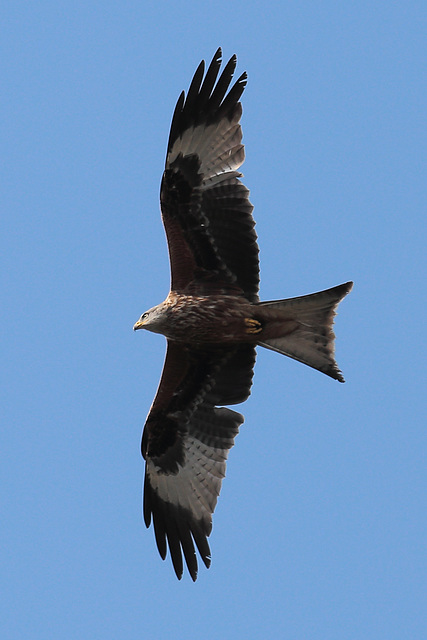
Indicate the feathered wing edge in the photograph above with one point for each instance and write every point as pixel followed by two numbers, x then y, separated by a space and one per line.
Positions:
pixel 206 102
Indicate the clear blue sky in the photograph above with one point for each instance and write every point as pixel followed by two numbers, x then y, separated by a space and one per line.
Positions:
pixel 320 529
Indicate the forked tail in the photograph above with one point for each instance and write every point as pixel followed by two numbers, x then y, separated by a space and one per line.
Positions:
pixel 301 328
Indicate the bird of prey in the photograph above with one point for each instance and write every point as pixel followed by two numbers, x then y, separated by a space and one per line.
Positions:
pixel 212 317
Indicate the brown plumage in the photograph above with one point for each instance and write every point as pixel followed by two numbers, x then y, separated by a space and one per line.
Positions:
pixel 212 318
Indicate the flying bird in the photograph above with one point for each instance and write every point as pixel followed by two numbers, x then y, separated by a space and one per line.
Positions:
pixel 212 318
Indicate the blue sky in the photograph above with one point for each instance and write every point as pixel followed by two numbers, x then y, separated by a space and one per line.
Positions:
pixel 321 523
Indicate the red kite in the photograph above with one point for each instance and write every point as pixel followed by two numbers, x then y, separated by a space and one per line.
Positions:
pixel 212 318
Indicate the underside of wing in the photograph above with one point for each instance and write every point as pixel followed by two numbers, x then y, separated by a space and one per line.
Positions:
pixel 185 444
pixel 205 207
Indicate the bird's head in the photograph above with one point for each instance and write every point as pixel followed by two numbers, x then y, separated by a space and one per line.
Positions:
pixel 152 320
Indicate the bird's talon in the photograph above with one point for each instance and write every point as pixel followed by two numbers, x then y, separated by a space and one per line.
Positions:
pixel 252 326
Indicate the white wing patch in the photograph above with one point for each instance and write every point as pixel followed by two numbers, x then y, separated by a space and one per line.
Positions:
pixel 218 146
pixel 197 484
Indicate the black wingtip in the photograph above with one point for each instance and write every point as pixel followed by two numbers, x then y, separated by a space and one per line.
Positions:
pixel 243 79
pixel 218 55
pixel 207 98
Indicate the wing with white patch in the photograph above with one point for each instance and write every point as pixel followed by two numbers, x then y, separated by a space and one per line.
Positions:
pixel 186 442
pixel 205 207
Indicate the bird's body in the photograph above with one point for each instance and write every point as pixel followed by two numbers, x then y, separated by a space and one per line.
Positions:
pixel 202 319
pixel 212 318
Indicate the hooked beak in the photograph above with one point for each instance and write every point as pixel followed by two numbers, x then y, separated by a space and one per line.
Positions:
pixel 138 325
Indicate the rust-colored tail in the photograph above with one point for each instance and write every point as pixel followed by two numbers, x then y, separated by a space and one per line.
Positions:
pixel 301 328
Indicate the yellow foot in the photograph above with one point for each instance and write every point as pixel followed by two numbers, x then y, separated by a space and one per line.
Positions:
pixel 252 326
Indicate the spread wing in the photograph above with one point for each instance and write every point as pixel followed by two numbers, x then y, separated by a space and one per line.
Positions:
pixel 185 444
pixel 205 207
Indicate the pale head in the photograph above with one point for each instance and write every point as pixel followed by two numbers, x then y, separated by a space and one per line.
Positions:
pixel 153 320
